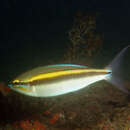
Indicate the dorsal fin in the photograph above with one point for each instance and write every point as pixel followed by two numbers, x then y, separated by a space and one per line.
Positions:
pixel 67 65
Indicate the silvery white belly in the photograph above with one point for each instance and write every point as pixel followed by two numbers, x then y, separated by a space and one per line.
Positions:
pixel 64 86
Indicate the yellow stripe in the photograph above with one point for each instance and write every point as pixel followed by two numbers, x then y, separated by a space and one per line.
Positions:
pixel 57 74
pixel 22 88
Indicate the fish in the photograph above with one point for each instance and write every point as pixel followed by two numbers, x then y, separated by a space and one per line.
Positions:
pixel 59 79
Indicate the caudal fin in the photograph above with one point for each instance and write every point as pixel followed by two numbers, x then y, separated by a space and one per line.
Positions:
pixel 118 70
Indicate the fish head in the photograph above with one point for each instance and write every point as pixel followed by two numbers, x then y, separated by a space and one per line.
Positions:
pixel 24 89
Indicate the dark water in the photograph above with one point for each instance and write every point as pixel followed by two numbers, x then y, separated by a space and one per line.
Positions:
pixel 23 53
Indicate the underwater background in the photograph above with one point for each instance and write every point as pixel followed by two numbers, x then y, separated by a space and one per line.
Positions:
pixel 36 34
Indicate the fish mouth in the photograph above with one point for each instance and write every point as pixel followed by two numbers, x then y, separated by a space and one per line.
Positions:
pixel 19 87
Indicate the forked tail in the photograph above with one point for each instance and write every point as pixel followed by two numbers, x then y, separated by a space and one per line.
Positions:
pixel 117 78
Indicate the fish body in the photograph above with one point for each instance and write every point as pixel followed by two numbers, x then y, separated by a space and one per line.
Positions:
pixel 54 80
